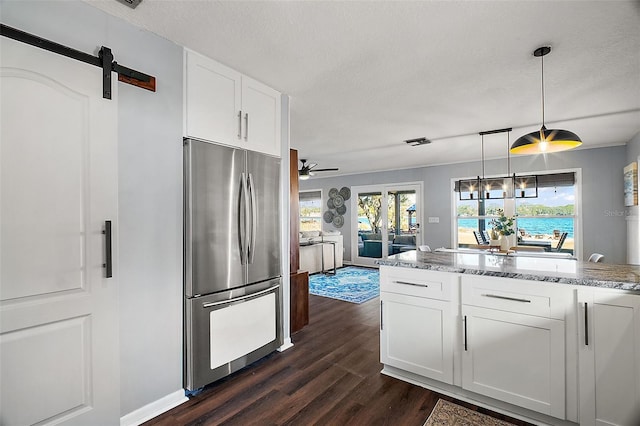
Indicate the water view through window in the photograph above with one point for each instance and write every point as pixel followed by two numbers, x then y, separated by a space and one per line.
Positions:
pixel 547 221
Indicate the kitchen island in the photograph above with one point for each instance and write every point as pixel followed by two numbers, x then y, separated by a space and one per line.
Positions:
pixel 550 340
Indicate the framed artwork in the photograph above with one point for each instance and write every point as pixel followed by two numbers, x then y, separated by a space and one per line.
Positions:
pixel 631 184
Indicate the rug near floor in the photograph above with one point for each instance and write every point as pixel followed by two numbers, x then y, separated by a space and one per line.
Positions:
pixel 351 284
pixel 447 413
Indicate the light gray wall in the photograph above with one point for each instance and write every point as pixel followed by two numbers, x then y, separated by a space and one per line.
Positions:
pixel 633 149
pixel 602 197
pixel 150 189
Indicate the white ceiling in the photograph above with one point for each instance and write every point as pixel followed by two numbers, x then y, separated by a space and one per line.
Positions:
pixel 365 76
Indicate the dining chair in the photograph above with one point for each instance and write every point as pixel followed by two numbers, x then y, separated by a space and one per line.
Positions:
pixel 596 257
pixel 561 241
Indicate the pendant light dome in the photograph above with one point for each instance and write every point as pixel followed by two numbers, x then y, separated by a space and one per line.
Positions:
pixel 545 140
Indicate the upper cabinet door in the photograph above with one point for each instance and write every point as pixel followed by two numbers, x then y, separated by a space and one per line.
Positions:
pixel 261 117
pixel 212 100
pixel 223 106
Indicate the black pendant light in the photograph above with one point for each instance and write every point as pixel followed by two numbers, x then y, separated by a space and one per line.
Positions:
pixel 545 140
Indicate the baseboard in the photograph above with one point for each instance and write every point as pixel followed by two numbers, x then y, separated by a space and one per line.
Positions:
pixel 286 345
pixel 154 409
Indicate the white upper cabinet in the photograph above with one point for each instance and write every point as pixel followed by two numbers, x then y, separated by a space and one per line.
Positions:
pixel 224 106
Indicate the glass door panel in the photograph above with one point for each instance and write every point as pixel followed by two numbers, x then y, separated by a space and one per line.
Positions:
pixel 388 221
pixel 370 225
pixel 402 220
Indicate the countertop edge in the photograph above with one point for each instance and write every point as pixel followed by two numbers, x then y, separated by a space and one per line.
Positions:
pixel 588 282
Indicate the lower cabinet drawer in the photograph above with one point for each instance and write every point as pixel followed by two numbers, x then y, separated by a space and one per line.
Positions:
pixel 417 282
pixel 519 296
pixel 416 335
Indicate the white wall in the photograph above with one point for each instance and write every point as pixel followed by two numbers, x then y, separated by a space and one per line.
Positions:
pixel 602 197
pixel 150 188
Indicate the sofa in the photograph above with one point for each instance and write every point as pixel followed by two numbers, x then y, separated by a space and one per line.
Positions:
pixel 370 244
pixel 311 250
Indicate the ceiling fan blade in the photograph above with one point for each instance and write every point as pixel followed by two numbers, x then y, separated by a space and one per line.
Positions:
pixel 332 169
pixel 312 165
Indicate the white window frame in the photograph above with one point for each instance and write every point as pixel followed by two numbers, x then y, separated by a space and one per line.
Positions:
pixel 510 207
pixel 313 217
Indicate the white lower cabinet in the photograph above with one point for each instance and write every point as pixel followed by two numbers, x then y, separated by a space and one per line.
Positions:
pixel 483 338
pixel 416 335
pixel 609 357
pixel 515 358
pixel 417 321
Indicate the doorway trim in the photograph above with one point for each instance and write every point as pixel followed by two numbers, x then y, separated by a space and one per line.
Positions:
pixel 383 189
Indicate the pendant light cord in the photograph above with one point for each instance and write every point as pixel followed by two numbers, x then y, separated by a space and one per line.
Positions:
pixel 508 156
pixel 482 148
pixel 542 59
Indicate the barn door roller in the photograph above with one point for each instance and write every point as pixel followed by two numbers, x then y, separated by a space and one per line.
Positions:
pixel 104 60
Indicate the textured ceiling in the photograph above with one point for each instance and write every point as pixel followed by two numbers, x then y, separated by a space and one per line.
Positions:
pixel 364 76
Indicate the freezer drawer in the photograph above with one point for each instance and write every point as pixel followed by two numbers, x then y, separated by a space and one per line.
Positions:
pixel 227 331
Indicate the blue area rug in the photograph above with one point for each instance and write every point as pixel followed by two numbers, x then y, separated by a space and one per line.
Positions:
pixel 351 284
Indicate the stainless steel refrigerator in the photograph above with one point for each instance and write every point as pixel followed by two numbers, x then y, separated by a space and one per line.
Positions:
pixel 232 260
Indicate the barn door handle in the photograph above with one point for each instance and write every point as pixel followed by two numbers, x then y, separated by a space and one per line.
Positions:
pixel 108 265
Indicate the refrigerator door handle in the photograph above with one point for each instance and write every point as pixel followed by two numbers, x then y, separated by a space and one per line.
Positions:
pixel 240 298
pixel 253 230
pixel 243 219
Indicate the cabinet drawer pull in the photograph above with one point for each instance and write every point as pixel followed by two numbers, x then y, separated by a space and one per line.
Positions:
pixel 513 299
pixel 586 325
pixel 408 283
pixel 465 332
pixel 240 124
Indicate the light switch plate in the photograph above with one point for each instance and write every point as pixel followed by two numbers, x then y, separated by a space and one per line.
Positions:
pixel 434 219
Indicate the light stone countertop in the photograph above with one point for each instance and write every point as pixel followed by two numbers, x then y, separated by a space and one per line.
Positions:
pixel 547 269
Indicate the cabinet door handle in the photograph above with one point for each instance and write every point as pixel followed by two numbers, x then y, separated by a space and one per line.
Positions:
pixel 108 265
pixel 246 126
pixel 586 325
pixel 408 283
pixel 240 124
pixel 381 325
pixel 465 332
pixel 513 299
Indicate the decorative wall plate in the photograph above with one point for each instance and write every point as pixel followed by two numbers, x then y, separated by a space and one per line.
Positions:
pixel 338 221
pixel 342 209
pixel 328 216
pixel 333 192
pixel 345 193
pixel 338 200
pixel 330 203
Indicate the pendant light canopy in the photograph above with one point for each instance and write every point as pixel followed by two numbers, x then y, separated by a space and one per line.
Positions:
pixel 545 140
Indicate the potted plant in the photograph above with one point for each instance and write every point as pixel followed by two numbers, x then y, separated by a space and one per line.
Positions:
pixel 503 225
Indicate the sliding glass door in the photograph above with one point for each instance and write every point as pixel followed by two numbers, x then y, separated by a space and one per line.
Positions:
pixel 388 221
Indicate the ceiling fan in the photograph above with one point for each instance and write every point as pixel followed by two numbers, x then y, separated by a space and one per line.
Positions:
pixel 307 170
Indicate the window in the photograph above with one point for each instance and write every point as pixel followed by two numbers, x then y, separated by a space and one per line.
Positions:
pixel 547 220
pixel 310 211
pixel 475 215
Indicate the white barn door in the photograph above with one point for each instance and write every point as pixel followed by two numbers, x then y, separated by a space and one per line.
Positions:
pixel 59 352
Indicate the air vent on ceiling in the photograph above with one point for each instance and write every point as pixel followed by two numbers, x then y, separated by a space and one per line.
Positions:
pixel 131 3
pixel 418 141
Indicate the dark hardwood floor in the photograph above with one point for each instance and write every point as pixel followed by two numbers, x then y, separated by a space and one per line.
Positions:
pixel 330 377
